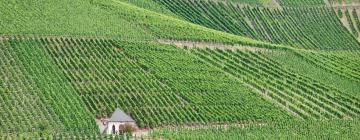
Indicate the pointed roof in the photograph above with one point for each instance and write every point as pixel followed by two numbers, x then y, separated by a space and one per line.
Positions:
pixel 120 116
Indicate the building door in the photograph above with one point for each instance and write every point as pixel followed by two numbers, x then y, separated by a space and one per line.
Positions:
pixel 113 129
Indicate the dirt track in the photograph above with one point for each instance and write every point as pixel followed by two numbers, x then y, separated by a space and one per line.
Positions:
pixel 194 44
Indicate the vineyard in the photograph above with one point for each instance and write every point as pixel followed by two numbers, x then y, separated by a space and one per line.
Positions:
pixel 105 74
pixel 280 130
pixel 343 2
pixel 350 19
pixel 294 92
pixel 302 3
pixel 32 97
pixel 249 2
pixel 308 64
pixel 290 26
pixel 181 69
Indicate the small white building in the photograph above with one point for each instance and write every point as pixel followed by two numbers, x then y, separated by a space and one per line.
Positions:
pixel 118 120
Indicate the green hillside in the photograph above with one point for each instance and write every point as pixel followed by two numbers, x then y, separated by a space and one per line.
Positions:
pixel 182 69
pixel 35 93
pixel 288 26
pixel 308 63
pixel 299 3
pixel 283 130
pixel 66 18
pixel 117 21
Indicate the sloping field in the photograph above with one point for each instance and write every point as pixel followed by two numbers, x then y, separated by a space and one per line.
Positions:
pixel 69 17
pixel 309 28
pixel 35 94
pixel 304 96
pixel 121 20
pixel 350 19
pixel 182 69
pixel 327 71
pixel 279 130
pixel 299 3
pixel 107 75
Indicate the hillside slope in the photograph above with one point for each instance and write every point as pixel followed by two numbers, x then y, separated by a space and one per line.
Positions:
pixel 299 27
pixel 35 94
pixel 173 65
pixel 107 18
pixel 69 17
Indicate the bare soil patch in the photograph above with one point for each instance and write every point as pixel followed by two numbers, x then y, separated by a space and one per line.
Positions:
pixel 345 21
pixel 3 38
pixel 274 4
pixel 346 6
pixel 210 45
pixel 146 133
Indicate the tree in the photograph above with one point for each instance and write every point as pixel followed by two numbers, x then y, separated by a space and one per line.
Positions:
pixel 127 128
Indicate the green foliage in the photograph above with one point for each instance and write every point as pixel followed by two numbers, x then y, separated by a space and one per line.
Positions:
pixel 339 129
pixel 112 80
pixel 107 75
pixel 341 2
pixel 107 18
pixel 73 61
pixel 350 22
pixel 167 27
pixel 310 28
pixel 340 13
pixel 248 2
pixel 162 85
pixel 37 92
pixel 323 66
pixel 45 130
pixel 356 21
pixel 303 96
pixel 68 17
pixel 309 3
pixel 203 87
pixel 150 5
pixel 127 129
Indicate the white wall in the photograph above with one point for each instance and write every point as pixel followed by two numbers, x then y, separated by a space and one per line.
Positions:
pixel 110 125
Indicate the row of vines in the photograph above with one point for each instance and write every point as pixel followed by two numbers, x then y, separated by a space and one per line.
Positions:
pixel 215 96
pixel 273 131
pixel 64 83
pixel 310 28
pixel 350 20
pixel 106 78
pixel 344 63
pixel 61 84
pixel 340 2
pixel 303 96
pixel 334 129
pixel 34 95
pixel 107 74
pixel 299 3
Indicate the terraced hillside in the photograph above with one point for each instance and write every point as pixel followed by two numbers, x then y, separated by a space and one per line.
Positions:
pixel 325 66
pixel 301 95
pixel 283 130
pixel 309 28
pixel 299 3
pixel 35 94
pixel 106 75
pixel 350 19
pixel 182 69
pixel 252 2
